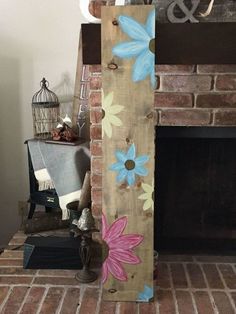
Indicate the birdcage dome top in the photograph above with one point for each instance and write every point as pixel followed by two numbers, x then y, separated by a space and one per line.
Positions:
pixel 45 97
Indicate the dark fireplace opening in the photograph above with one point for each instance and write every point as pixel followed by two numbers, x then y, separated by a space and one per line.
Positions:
pixel 195 195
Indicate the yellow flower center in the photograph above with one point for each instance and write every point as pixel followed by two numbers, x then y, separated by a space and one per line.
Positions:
pixel 103 113
pixel 105 251
pixel 152 45
pixel 129 164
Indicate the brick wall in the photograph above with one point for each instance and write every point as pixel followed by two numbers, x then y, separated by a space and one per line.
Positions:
pixel 187 95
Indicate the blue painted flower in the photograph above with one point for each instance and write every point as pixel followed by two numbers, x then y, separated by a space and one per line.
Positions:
pixel 142 46
pixel 128 165
pixel 146 295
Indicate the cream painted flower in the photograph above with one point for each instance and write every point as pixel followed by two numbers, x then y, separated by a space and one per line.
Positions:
pixel 109 112
pixel 147 196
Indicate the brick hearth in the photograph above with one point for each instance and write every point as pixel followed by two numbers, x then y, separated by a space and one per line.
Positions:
pixel 186 284
pixel 187 95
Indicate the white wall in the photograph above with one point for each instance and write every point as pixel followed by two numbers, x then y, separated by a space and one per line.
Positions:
pixel 37 38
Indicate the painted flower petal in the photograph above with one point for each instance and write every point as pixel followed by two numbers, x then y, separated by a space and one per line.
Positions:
pixel 115 120
pixel 106 127
pixel 116 269
pixel 131 178
pixel 125 256
pixel 148 204
pixel 117 166
pixel 139 161
pixel 122 175
pixel 143 66
pixel 141 171
pixel 144 196
pixel 153 78
pixel 121 156
pixel 147 188
pixel 116 229
pixel 132 28
pixel 150 24
pixel 104 225
pixel 115 109
pixel 131 152
pixel 107 101
pixel 104 272
pixel 126 242
pixel 129 49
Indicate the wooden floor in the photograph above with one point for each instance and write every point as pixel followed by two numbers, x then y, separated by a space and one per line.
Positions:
pixel 186 284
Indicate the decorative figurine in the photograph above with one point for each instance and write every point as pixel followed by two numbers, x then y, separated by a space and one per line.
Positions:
pixel 64 132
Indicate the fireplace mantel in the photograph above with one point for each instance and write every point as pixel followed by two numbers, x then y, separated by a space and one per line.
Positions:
pixel 197 43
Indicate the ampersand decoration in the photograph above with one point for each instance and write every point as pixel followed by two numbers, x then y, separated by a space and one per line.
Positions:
pixel 187 12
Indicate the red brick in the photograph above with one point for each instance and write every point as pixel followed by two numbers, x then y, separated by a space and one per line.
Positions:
pixel 107 307
pixel 203 302
pixel 71 301
pixel 225 100
pixel 185 117
pixel 96 209
pixel 95 68
pixel 14 300
pixel 12 254
pixel 96 181
pixel 217 68
pixel 96 132
pixel 11 262
pixel 196 276
pixel 215 259
pixel 147 308
pixel 58 272
pixel 95 99
pixel 229 275
pixel 15 280
pixel 174 69
pixel 173 100
pixel 178 275
pixel 3 293
pixel 175 258
pixel 226 82
pixel 57 281
pixel 163 276
pixel 222 302
pixel 90 300
pixel 166 302
pixel 95 116
pixel 16 271
pixel 186 83
pixel 97 196
pixel 95 82
pixel 32 301
pixel 224 117
pixel 52 301
pixel 96 148
pixel 213 276
pixel 184 302
pixel 96 165
pixel 128 308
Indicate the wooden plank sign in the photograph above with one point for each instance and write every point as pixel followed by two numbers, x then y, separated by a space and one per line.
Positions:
pixel 128 76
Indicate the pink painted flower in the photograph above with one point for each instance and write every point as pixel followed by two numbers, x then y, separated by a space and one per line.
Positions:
pixel 119 248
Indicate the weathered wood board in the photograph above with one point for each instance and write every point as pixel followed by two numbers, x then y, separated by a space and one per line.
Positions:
pixel 128 154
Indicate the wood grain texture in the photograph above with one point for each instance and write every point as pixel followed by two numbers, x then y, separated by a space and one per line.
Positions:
pixel 138 127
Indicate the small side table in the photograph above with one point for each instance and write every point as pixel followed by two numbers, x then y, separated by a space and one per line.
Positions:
pixel 47 198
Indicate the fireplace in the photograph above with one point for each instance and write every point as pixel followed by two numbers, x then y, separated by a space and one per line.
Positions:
pixel 196 184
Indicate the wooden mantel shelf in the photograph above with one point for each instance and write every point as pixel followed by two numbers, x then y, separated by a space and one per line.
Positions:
pixel 198 43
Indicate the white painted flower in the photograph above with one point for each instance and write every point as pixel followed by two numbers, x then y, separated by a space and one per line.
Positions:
pixel 109 112
pixel 147 196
